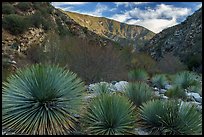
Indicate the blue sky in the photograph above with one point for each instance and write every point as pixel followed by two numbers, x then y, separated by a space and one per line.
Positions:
pixel 154 16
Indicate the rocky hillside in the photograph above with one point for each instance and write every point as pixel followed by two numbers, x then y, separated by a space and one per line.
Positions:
pixel 184 40
pixel 119 32
pixel 25 24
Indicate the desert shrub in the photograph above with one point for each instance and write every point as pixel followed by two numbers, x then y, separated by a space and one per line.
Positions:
pixel 43 8
pixel 44 11
pixel 159 80
pixel 35 54
pixel 92 62
pixel 176 92
pixel 138 75
pixel 138 92
pixel 126 54
pixel 37 5
pixel 41 100
pixel 49 9
pixel 170 64
pixel 5 73
pixel 7 8
pixel 51 49
pixel 48 52
pixel 170 117
pixel 16 24
pixel 63 17
pixel 185 79
pixel 199 69
pixel 63 31
pixel 24 6
pixel 8 67
pixel 85 30
pixel 47 25
pixel 144 61
pixel 5 62
pixel 109 115
pixel 194 61
pixel 36 19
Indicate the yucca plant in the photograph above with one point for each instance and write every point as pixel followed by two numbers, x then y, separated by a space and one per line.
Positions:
pixel 148 116
pixel 176 92
pixel 186 79
pixel 109 115
pixel 138 92
pixel 170 117
pixel 41 100
pixel 197 89
pixel 159 80
pixel 138 75
pixel 101 88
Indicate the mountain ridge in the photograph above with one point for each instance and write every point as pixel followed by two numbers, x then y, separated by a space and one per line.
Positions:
pixel 122 33
pixel 184 40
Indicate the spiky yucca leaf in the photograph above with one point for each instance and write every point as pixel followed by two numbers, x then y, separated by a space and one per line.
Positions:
pixel 159 80
pixel 138 92
pixel 186 79
pixel 41 100
pixel 101 88
pixel 138 75
pixel 109 115
pixel 148 113
pixel 176 92
pixel 170 117
pixel 191 120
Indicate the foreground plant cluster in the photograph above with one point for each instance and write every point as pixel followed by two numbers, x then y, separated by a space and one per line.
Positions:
pixel 50 100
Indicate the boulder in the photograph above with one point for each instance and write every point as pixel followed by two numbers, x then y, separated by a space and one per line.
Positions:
pixel 156 93
pixel 196 96
pixel 199 108
pixel 195 103
pixel 162 91
pixel 76 116
pixel 121 85
pixel 88 97
pixel 91 87
pixel 163 96
pixel 167 86
pixel 155 89
pixel 113 82
pixel 140 131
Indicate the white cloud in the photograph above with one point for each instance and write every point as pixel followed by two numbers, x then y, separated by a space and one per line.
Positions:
pixel 126 4
pixel 67 6
pixel 155 25
pixel 156 19
pixel 199 6
pixel 59 4
pixel 70 8
pixel 100 8
pixel 161 11
pixel 121 17
pixel 122 3
pixel 113 9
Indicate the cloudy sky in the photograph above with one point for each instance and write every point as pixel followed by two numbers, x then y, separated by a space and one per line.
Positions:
pixel 154 16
